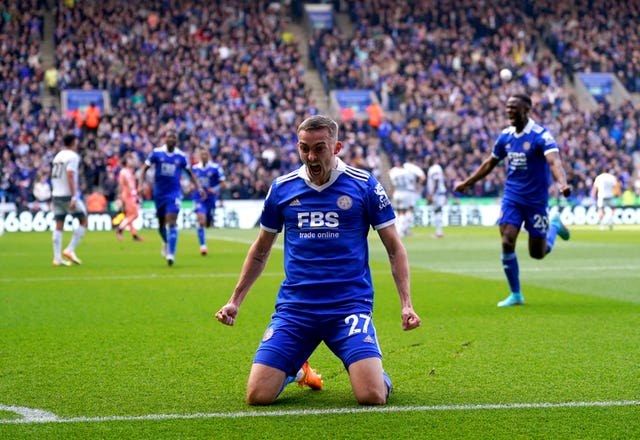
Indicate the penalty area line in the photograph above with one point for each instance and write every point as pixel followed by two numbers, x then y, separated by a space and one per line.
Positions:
pixel 46 417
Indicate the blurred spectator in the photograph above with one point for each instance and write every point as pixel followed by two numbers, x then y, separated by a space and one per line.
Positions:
pixel 96 201
pixel 215 71
pixel 91 119
pixel 42 193
pixel 51 80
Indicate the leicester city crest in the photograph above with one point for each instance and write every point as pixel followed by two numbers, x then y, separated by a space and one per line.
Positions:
pixel 344 202
pixel 267 334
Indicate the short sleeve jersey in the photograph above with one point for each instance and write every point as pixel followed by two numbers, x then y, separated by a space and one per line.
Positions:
pixel 326 257
pixel 65 160
pixel 435 180
pixel 168 170
pixel 209 175
pixel 404 179
pixel 528 172
pixel 606 184
pixel 128 186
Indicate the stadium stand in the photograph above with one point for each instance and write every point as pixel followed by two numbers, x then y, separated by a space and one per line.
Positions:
pixel 435 70
pixel 231 75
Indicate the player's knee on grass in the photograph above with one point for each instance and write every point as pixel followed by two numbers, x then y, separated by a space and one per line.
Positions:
pixel 264 385
pixel 371 396
pixel 367 382
pixel 260 396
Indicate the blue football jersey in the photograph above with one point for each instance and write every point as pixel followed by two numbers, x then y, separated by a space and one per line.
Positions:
pixel 168 169
pixel 528 171
pixel 326 257
pixel 209 175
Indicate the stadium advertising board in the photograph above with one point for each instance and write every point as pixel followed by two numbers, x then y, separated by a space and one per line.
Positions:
pixel 600 85
pixel 320 16
pixel 80 99
pixel 245 214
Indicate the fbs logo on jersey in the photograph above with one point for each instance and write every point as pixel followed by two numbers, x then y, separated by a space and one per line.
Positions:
pixel 318 219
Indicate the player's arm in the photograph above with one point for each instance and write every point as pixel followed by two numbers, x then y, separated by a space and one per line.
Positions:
pixel 553 158
pixel 143 172
pixel 252 267
pixel 594 191
pixel 400 270
pixel 483 170
pixel 71 178
pixel 221 186
pixel 422 177
pixel 120 184
pixel 432 185
pixel 196 183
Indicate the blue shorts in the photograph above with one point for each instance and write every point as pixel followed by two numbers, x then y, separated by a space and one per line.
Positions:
pixel 167 205
pixel 535 218
pixel 207 207
pixel 291 337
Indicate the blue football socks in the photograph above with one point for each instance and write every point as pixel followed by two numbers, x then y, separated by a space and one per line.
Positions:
pixel 201 235
pixel 511 270
pixel 172 239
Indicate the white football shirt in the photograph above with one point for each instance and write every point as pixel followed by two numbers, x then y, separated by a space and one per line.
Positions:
pixel 605 183
pixel 65 160
pixel 435 180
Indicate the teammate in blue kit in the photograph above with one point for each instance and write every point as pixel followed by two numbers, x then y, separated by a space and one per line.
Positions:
pixel 169 161
pixel 531 152
pixel 326 209
pixel 210 175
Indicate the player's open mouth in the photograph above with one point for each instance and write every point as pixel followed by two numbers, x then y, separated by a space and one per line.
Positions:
pixel 314 169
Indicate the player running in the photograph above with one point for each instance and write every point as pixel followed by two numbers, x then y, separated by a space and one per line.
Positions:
pixel 211 176
pixel 169 162
pixel 531 152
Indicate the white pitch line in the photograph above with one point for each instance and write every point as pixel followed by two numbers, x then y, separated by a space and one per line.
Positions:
pixel 38 416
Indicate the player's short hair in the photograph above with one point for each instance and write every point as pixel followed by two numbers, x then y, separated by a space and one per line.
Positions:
pixel 318 122
pixel 125 158
pixel 68 139
pixel 525 99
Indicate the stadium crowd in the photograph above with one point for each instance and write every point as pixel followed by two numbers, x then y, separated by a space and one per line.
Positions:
pixel 436 69
pixel 228 75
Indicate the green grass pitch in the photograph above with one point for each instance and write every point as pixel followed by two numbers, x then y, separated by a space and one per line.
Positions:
pixel 125 347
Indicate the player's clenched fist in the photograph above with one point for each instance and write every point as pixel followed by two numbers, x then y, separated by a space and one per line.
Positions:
pixel 227 314
pixel 410 319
